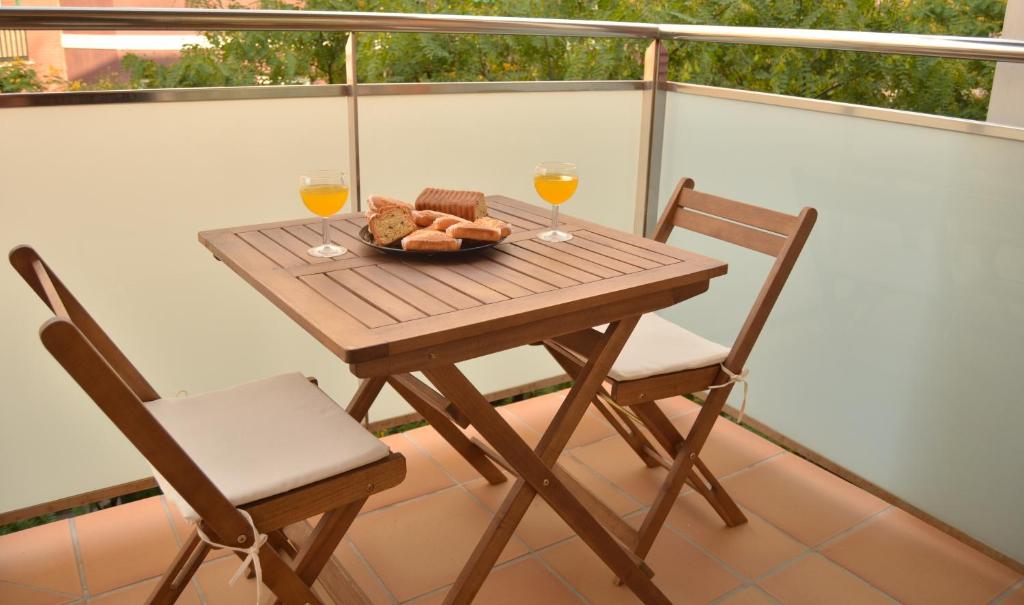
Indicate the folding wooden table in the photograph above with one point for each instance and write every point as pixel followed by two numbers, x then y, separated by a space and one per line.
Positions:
pixel 387 316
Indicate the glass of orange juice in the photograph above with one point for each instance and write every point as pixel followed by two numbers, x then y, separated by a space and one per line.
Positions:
pixel 555 183
pixel 324 192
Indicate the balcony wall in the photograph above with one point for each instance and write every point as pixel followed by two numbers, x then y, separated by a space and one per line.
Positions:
pixel 895 347
pixel 113 196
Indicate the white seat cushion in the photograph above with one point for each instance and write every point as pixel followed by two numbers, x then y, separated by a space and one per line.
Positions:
pixel 264 438
pixel 658 346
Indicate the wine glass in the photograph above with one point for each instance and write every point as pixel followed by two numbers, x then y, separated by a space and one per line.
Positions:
pixel 324 192
pixel 555 183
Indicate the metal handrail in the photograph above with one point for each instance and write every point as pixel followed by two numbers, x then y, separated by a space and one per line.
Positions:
pixel 957 47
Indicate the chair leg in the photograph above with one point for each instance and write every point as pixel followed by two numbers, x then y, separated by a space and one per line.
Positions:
pixel 326 536
pixel 633 437
pixel 628 430
pixel 364 397
pixel 184 566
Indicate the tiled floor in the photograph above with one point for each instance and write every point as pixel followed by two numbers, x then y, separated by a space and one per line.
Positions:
pixel 811 539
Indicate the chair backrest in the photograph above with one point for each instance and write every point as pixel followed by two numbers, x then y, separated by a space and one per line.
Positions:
pixel 767 231
pixel 92 359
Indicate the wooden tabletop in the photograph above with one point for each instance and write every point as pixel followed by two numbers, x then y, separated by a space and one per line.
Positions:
pixel 384 314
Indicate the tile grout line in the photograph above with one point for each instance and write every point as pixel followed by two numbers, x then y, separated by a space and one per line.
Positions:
pixel 739 589
pixel 43 589
pixel 825 543
pixel 1003 596
pixel 79 561
pixel 373 572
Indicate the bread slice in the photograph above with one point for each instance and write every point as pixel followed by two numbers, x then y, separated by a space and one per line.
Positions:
pixel 500 225
pixel 390 224
pixel 470 205
pixel 376 203
pixel 430 240
pixel 475 232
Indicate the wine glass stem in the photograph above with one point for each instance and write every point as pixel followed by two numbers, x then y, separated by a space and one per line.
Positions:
pixel 554 217
pixel 327 238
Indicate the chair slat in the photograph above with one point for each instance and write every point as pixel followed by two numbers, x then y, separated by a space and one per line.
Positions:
pixel 754 216
pixel 734 233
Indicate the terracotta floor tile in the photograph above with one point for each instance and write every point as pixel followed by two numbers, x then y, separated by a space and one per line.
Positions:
pixel 41 556
pixel 520 582
pixel 814 579
pixel 366 579
pixel 681 571
pixel 730 447
pixel 677 406
pixel 538 412
pixel 445 455
pixel 753 548
pixel 125 544
pixel 27 595
pixel 542 526
pixel 750 595
pixel 137 593
pixel 916 563
pixel 419 546
pixel 615 461
pixel 801 499
pixel 213 579
pixel 422 475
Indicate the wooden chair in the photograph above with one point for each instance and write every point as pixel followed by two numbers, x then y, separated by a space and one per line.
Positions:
pixel 278 448
pixel 662 359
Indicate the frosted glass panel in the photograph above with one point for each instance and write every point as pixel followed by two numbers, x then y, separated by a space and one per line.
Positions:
pixel 894 348
pixel 105 190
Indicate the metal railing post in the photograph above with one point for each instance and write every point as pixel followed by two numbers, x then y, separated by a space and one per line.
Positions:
pixel 355 178
pixel 652 132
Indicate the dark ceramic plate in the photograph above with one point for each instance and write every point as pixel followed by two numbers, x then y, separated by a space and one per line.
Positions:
pixel 468 246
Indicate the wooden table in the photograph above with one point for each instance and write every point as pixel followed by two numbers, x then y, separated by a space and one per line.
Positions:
pixel 387 316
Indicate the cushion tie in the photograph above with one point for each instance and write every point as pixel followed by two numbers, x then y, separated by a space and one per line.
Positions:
pixel 733 378
pixel 252 553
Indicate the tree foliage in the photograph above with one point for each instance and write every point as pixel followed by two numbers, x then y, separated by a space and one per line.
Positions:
pixel 942 86
pixel 19 77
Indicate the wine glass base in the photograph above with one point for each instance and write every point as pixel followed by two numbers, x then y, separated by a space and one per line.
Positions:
pixel 326 251
pixel 555 236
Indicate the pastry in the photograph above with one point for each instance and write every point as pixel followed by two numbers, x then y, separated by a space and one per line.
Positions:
pixel 500 225
pixel 442 223
pixel 425 218
pixel 474 232
pixel 430 240
pixel 470 205
pixel 390 224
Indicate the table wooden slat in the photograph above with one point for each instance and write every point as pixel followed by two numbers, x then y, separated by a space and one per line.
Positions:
pixel 369 307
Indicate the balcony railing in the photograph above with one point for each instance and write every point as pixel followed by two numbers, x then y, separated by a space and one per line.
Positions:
pixel 937 198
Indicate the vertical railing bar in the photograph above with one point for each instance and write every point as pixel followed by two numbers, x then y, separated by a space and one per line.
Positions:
pixel 355 178
pixel 652 134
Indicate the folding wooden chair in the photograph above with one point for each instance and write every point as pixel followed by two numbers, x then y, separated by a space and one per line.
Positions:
pixel 662 359
pixel 279 448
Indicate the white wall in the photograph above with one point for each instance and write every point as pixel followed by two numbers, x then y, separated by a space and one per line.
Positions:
pixel 113 196
pixel 895 349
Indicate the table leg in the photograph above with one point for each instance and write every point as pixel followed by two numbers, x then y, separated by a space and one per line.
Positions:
pixel 537 477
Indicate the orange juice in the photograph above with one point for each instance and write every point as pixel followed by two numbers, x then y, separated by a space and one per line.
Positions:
pixel 324 200
pixel 556 188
